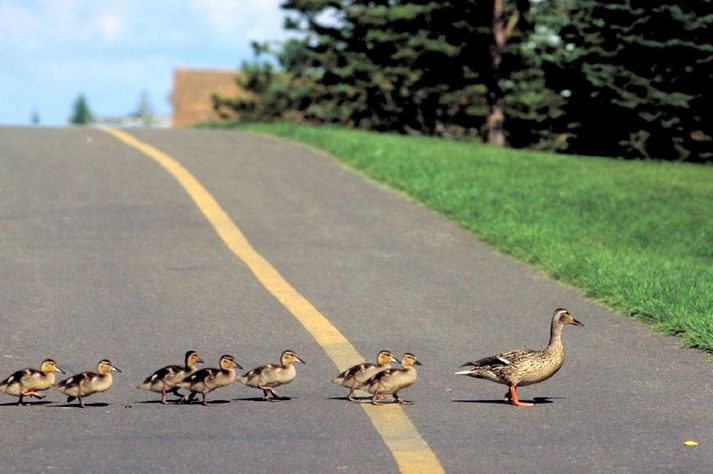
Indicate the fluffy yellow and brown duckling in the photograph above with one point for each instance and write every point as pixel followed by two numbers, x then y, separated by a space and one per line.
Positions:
pixel 208 379
pixel 392 381
pixel 355 377
pixel 269 376
pixel 88 383
pixel 31 382
pixel 524 367
pixel 165 379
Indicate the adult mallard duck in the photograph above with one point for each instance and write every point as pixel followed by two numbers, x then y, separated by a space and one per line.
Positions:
pixel 207 380
pixel 524 367
pixel 269 376
pixel 392 381
pixel 88 383
pixel 165 379
pixel 31 382
pixel 355 377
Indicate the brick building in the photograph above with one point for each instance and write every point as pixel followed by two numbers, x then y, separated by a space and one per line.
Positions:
pixel 192 91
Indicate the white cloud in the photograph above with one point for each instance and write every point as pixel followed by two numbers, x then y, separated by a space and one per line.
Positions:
pixel 249 19
pixel 109 24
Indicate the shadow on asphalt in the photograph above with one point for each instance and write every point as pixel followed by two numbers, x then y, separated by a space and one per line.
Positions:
pixel 158 402
pixel 260 399
pixel 535 400
pixel 200 402
pixel 356 399
pixel 14 404
pixel 76 405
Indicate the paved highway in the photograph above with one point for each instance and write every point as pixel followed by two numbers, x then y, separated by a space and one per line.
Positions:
pixel 109 253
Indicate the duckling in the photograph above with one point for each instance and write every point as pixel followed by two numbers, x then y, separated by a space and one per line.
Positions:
pixel 207 380
pixel 88 383
pixel 165 379
pixel 31 382
pixel 392 381
pixel 354 377
pixel 269 376
pixel 524 367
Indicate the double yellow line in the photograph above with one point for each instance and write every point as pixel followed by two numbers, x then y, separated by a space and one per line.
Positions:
pixel 409 449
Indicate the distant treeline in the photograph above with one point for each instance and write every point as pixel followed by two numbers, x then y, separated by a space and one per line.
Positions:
pixel 627 78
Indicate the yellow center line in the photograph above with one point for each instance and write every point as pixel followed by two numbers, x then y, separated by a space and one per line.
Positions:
pixel 409 449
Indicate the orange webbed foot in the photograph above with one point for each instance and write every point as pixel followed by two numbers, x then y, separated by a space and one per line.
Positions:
pixel 515 400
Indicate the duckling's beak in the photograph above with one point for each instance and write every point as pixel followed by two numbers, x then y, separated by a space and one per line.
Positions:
pixel 297 359
pixel 395 360
pixel 238 366
pixel 58 369
pixel 415 362
pixel 115 369
pixel 576 323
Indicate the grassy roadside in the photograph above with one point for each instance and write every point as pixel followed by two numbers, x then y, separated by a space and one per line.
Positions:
pixel 637 236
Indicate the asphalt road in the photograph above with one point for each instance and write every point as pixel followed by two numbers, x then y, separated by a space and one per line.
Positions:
pixel 104 255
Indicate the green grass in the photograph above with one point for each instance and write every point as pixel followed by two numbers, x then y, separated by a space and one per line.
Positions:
pixel 635 235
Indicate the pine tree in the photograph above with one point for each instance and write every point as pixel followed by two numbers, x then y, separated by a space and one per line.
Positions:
pixel 408 66
pixel 81 115
pixel 534 110
pixel 144 111
pixel 639 74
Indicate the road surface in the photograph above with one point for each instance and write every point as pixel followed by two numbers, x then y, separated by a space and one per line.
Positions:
pixel 105 254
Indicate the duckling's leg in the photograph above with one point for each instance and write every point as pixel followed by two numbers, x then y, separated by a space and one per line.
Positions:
pixel 81 402
pixel 30 393
pixel 350 397
pixel 269 395
pixel 401 401
pixel 205 399
pixel 516 401
pixel 163 396
pixel 376 399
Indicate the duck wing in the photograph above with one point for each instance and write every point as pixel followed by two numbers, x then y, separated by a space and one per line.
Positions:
pixel 381 379
pixel 163 374
pixel 79 380
pixel 259 376
pixel 21 378
pixel 201 376
pixel 352 372
pixel 498 360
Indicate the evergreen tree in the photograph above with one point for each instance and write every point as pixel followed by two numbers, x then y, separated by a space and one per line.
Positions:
pixel 272 95
pixel 409 66
pixel 534 110
pixel 144 112
pixel 620 78
pixel 81 115
pixel 638 73
pixel 415 66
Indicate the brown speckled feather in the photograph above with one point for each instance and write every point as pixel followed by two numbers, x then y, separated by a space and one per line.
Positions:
pixel 525 367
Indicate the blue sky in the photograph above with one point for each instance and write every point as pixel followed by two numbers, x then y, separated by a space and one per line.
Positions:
pixel 53 50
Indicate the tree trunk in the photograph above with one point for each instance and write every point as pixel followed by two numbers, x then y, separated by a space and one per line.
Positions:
pixel 496 89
